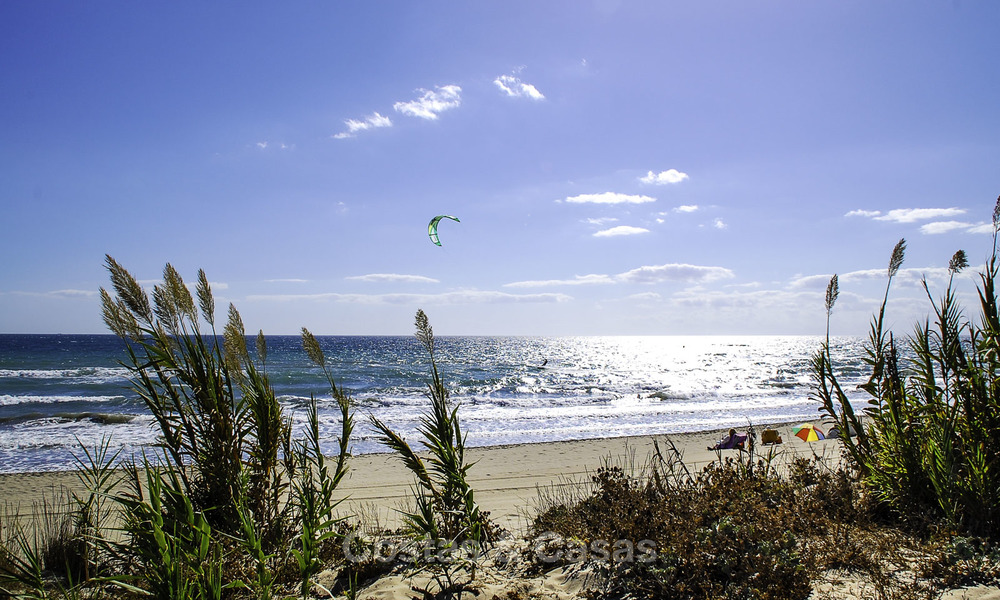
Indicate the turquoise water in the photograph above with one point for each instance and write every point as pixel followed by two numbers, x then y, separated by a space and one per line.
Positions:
pixel 57 392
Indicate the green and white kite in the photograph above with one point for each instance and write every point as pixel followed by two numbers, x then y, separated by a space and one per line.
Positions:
pixel 432 227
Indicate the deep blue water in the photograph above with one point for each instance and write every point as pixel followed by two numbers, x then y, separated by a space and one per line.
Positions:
pixel 60 391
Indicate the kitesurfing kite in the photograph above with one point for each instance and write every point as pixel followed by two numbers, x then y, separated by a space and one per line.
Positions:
pixel 432 227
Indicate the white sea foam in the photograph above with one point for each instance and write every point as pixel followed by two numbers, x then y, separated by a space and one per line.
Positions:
pixel 82 375
pixel 8 400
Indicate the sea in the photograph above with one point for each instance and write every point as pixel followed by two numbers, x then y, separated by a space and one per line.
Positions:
pixel 62 395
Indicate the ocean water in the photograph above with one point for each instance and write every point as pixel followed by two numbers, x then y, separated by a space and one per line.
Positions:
pixel 60 393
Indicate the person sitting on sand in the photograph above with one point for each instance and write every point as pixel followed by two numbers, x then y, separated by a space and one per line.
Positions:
pixel 732 442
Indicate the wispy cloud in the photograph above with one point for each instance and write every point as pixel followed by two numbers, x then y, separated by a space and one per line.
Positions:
pixel 939 227
pixel 641 275
pixel 67 293
pixel 686 208
pixel 72 293
pixel 620 231
pixel 264 145
pixel 514 87
pixel 675 272
pixel 664 177
pixel 392 278
pixel 904 277
pixel 431 102
pixel 609 198
pixel 912 215
pixel 449 298
pixel 719 224
pixel 578 280
pixel 908 215
pixel 601 221
pixel 645 297
pixel 372 121
pixel 863 213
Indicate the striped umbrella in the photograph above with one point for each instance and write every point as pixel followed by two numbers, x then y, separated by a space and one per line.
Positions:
pixel 808 432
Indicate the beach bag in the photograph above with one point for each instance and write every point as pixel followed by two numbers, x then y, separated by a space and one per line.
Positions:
pixel 770 436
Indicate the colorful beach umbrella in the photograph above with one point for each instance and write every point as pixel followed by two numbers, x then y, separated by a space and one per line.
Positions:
pixel 808 432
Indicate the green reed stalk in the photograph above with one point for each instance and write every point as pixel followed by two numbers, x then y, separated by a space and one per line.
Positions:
pixel 446 514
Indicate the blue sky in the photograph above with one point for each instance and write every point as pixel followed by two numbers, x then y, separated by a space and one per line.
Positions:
pixel 618 167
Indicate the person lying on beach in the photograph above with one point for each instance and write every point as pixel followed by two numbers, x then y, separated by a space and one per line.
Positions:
pixel 734 441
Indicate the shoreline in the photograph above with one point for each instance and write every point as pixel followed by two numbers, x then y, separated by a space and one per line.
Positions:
pixel 506 478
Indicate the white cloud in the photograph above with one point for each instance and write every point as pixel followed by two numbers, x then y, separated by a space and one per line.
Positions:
pixel 686 208
pixel 620 231
pixel 719 224
pixel 811 282
pixel 674 272
pixel 578 280
pixel 760 302
pixel 392 278
pixel 372 121
pixel 903 278
pixel 912 215
pixel 67 293
pixel 609 198
pixel 645 297
pixel 73 293
pixel 664 177
pixel 863 213
pixel 939 227
pixel 600 222
pixel 452 298
pixel 431 103
pixel 516 88
pixel 264 145
pixel 981 228
pixel 643 275
pixel 946 226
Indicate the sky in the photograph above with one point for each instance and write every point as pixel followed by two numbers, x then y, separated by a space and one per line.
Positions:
pixel 618 168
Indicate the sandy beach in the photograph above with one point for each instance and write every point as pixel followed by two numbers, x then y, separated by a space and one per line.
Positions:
pixel 506 478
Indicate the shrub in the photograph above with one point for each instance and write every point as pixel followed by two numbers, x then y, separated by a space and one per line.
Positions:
pixel 731 529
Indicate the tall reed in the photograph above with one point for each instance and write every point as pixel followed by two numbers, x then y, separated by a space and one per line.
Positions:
pixel 447 515
pixel 927 440
pixel 231 496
